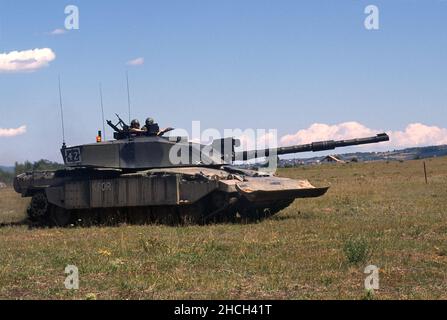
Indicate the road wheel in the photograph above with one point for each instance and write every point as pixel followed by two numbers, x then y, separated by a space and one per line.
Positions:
pixel 249 214
pixel 192 214
pixel 60 217
pixel 38 208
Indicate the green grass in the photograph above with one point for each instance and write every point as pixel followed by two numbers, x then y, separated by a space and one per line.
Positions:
pixel 356 250
pixel 375 213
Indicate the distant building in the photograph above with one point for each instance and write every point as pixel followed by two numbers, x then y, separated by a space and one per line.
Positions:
pixel 332 159
pixel 2 185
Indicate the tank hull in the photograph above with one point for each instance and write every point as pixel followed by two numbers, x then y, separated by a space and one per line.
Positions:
pixel 180 194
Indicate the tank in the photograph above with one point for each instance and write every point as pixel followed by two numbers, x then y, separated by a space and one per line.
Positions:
pixel 147 177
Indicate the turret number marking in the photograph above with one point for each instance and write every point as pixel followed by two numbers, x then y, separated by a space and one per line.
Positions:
pixel 73 155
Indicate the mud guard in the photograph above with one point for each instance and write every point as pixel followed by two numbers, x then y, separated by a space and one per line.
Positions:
pixel 273 189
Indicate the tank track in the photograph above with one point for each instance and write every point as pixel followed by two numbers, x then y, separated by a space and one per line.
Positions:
pixel 218 207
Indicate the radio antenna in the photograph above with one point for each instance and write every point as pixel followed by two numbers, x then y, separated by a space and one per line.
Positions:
pixel 62 112
pixel 128 95
pixel 102 111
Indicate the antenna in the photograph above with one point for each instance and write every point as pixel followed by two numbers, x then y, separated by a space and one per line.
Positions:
pixel 128 94
pixel 102 111
pixel 62 112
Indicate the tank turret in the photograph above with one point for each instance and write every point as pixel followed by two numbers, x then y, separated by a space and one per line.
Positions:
pixel 150 149
pixel 148 152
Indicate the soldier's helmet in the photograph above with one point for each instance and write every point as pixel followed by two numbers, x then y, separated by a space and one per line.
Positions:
pixel 150 121
pixel 135 124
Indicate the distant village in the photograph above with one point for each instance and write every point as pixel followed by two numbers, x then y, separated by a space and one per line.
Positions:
pixel 396 155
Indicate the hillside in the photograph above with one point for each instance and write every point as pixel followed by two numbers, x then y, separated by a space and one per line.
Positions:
pixel 7 169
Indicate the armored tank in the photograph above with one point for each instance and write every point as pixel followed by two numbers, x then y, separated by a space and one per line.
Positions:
pixel 145 176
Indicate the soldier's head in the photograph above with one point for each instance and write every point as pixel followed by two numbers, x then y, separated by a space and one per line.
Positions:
pixel 135 124
pixel 150 122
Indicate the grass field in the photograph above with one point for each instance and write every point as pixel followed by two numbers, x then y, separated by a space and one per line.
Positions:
pixel 375 213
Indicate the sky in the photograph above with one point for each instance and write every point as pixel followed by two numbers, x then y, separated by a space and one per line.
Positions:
pixel 309 69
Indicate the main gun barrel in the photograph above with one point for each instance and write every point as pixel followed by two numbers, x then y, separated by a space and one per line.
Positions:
pixel 311 147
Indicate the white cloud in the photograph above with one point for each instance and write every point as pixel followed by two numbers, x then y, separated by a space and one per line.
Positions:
pixel 136 62
pixel 321 132
pixel 7 133
pixel 58 32
pixel 418 134
pixel 26 61
pixel 414 135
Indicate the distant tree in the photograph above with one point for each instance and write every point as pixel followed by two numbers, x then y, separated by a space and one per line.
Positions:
pixel 355 159
pixel 41 165
pixel 23 167
pixel 6 177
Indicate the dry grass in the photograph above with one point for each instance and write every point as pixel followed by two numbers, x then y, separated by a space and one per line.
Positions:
pixel 12 206
pixel 300 254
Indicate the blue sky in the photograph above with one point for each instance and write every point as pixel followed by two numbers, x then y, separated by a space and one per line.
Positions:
pixel 231 64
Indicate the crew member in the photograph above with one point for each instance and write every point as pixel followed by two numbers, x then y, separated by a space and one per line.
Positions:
pixel 152 129
pixel 135 127
pixel 151 126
